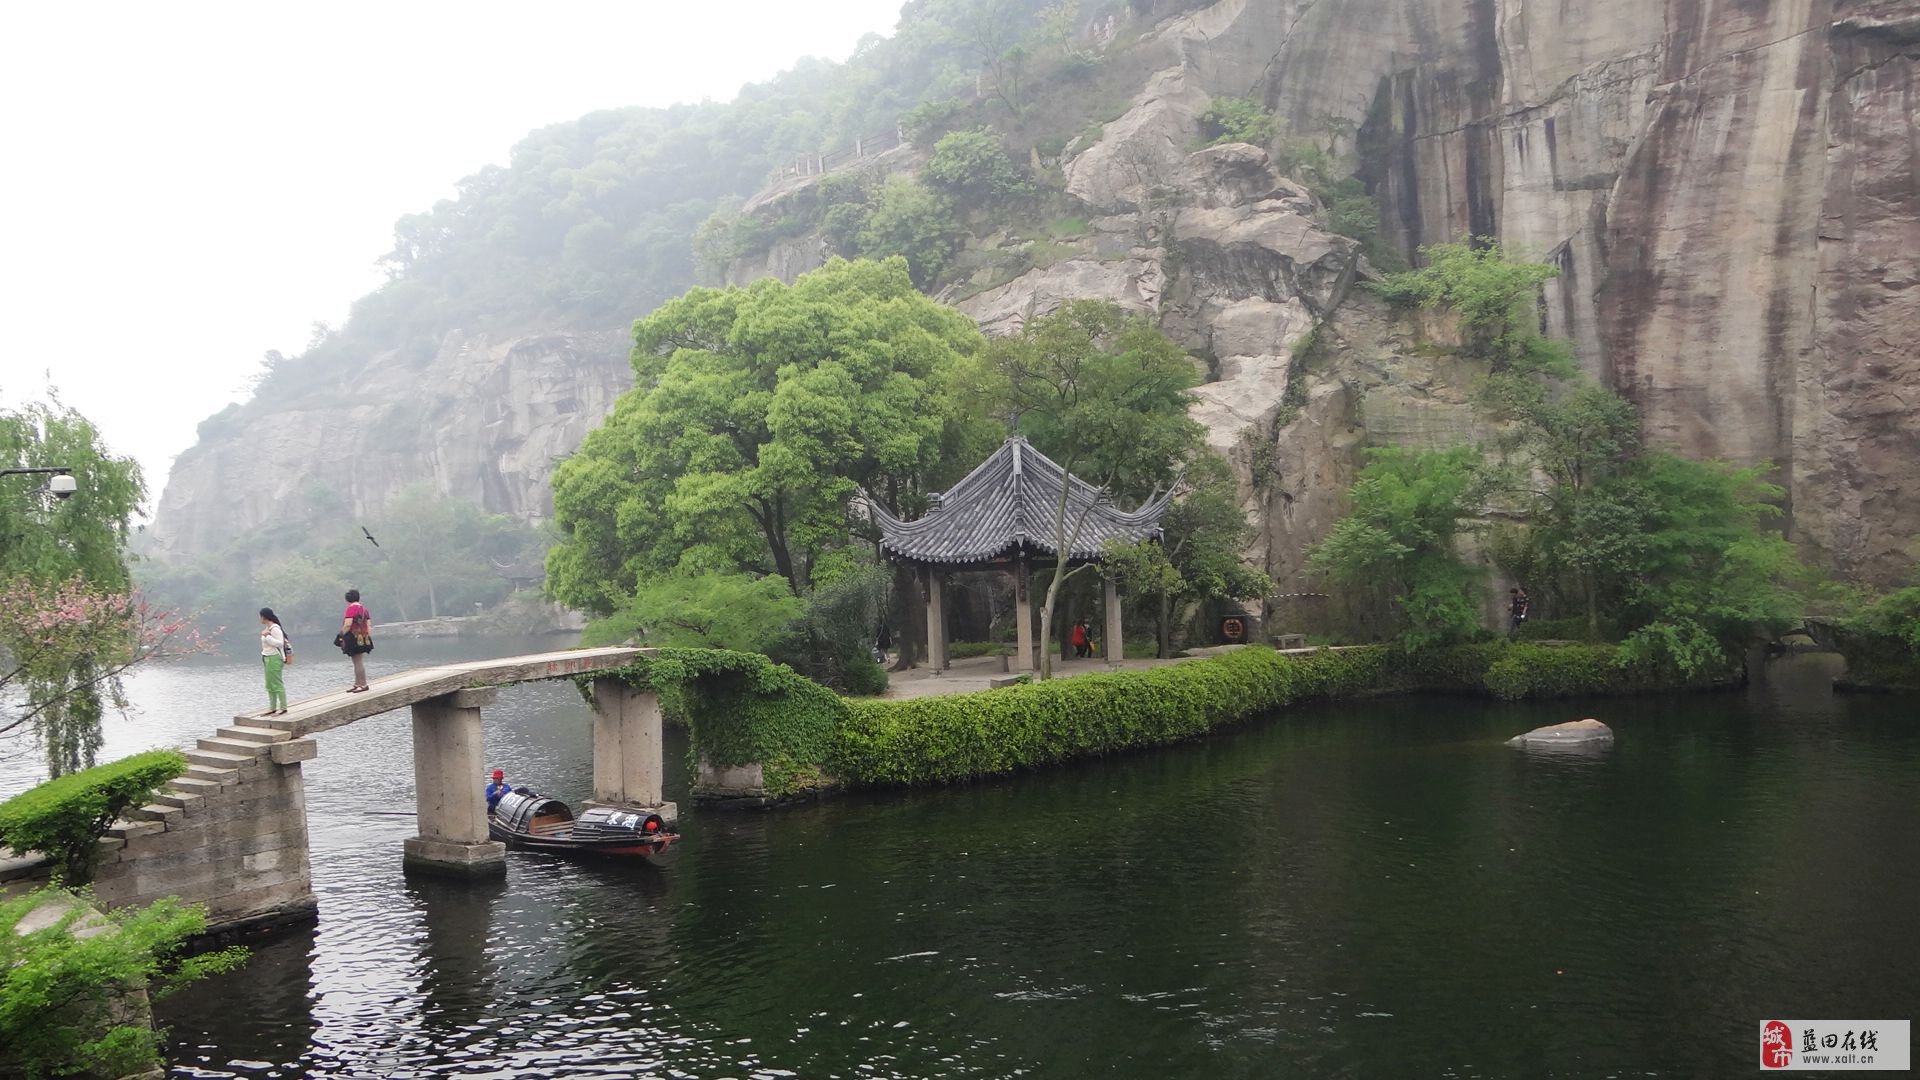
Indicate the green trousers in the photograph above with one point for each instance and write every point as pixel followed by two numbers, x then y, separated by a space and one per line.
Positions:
pixel 276 686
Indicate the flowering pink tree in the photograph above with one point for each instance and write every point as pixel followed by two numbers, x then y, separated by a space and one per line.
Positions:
pixel 63 651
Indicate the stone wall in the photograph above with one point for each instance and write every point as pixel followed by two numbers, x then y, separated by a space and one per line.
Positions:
pixel 232 836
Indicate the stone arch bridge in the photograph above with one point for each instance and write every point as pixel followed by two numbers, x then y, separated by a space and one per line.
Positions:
pixel 231 834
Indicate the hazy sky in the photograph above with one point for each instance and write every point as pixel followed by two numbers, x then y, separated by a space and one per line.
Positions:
pixel 187 185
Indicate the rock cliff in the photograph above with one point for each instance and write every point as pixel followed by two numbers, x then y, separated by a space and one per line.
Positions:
pixel 484 418
pixel 1729 191
pixel 1728 188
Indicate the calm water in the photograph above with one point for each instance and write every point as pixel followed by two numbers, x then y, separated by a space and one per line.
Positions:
pixel 1364 890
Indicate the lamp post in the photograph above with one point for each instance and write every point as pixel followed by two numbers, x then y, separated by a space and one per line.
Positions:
pixel 62 485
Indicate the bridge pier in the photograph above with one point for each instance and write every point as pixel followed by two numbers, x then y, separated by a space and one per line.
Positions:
pixel 628 757
pixel 449 760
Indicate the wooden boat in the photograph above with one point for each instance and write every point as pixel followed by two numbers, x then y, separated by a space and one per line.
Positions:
pixel 528 819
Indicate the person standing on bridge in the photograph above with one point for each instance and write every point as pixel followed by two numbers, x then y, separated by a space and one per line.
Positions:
pixel 356 639
pixel 274 652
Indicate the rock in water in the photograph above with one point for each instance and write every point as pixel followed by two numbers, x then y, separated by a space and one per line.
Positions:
pixel 1574 733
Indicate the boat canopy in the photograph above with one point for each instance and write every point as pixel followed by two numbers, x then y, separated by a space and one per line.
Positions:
pixel 518 809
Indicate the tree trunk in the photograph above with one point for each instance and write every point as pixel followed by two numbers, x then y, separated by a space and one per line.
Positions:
pixel 1163 625
pixel 1046 619
pixel 906 615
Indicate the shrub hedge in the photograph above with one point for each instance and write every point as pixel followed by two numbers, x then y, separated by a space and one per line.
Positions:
pixel 742 708
pixel 1512 671
pixel 64 817
pixel 934 740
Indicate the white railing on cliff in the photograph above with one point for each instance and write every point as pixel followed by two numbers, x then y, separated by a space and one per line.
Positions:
pixel 815 164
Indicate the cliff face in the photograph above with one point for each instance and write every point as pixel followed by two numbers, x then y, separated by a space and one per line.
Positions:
pixel 1729 190
pixel 1728 187
pixel 483 419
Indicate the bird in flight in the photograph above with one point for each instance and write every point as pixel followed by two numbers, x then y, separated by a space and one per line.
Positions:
pixel 369 536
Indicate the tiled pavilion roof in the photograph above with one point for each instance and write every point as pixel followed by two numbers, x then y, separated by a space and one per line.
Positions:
pixel 1009 503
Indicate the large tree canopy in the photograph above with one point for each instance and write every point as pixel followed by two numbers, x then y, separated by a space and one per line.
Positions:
pixel 757 415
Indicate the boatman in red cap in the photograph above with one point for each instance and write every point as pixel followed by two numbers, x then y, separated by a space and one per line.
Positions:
pixel 497 788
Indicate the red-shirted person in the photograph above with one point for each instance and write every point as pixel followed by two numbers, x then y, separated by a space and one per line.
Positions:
pixel 356 638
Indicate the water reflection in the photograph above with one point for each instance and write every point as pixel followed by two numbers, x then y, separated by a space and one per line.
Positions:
pixel 276 986
pixel 456 978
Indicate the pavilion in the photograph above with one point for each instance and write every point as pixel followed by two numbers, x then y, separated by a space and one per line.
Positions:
pixel 1005 516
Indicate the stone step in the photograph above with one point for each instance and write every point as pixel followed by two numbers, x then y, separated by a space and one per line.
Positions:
pixel 197 783
pixel 160 812
pixel 180 800
pixel 218 778
pixel 218 756
pixel 239 747
pixel 246 733
pixel 125 830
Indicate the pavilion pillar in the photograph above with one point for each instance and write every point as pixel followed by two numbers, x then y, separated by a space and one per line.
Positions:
pixel 449 765
pixel 1022 617
pixel 936 619
pixel 1116 651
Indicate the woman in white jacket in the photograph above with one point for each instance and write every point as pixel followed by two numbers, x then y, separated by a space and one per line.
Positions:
pixel 274 654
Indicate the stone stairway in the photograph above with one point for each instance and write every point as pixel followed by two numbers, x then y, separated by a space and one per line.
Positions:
pixel 230 833
pixel 235 754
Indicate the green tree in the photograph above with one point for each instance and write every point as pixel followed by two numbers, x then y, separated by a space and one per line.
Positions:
pixel 1236 120
pixel 973 165
pixel 757 415
pixel 706 611
pixel 1497 300
pixel 911 221
pixel 1585 524
pixel 76 544
pixel 1104 394
pixel 1202 551
pixel 437 555
pixel 1897 614
pixel 1398 542
pixel 444 554
pixel 1710 576
pixel 1675 554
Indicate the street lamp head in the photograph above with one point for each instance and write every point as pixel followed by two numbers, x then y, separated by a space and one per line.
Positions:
pixel 63 485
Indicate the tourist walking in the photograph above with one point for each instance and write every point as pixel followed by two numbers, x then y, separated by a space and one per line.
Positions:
pixel 1519 603
pixel 1082 640
pixel 356 639
pixel 275 654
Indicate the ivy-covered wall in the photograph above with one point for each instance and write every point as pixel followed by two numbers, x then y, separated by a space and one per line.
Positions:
pixel 741 708
pixel 1875 660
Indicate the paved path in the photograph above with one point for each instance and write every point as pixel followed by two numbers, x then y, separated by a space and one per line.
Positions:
pixel 978 673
